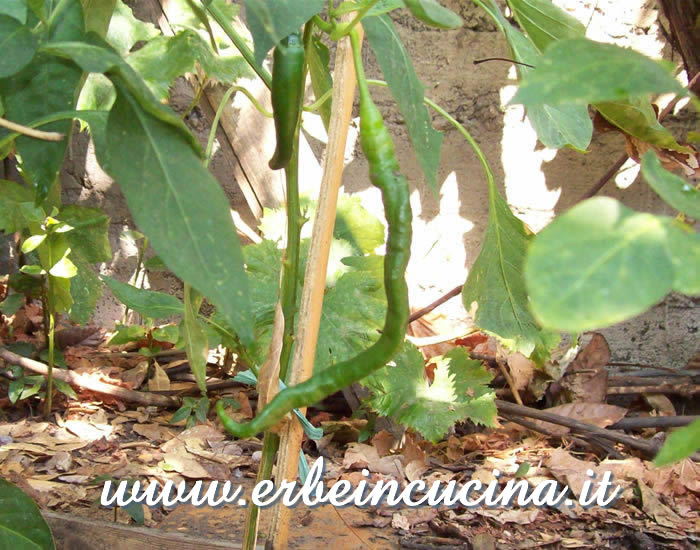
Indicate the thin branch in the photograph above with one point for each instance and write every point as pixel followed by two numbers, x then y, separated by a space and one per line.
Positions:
pixel 430 307
pixel 31 132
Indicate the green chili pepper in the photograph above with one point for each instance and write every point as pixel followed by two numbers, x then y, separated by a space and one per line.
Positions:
pixel 384 173
pixel 434 14
pixel 287 96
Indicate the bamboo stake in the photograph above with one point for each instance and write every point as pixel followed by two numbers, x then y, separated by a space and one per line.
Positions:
pixel 344 81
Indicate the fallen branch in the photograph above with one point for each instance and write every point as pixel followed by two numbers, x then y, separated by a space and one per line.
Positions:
pixel 653 422
pixel 683 389
pixel 89 383
pixel 430 307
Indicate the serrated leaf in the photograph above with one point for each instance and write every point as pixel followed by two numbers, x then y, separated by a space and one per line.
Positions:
pixel 459 391
pixel 680 444
pixel 495 291
pixel 165 58
pixel 556 126
pixel 149 303
pixel 90 235
pixel 684 250
pixel 408 91
pixel 18 44
pixel 270 21
pixel 571 71
pixel 21 523
pixel 125 30
pixel 193 233
pixel 598 264
pixel 636 117
pixel 45 86
pixel 318 59
pixel 545 23
pixel 676 191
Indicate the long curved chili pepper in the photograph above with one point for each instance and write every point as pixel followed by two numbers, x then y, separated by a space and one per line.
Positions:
pixel 384 173
pixel 287 96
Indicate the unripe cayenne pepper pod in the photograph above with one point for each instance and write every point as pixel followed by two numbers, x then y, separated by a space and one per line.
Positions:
pixel 287 96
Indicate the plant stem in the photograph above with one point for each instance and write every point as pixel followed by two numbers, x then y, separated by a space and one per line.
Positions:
pixel 196 98
pixel 271 443
pixel 238 41
pixel 25 130
pixel 344 30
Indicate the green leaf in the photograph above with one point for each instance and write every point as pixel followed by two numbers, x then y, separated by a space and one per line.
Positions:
pixel 165 58
pixel 21 525
pixel 63 269
pixel 545 23
pixel 18 45
pixel 598 264
pixel 181 414
pixel 14 390
pixel 680 444
pixel 32 242
pixel 65 388
pixel 459 391
pixel 125 334
pixel 684 249
pixel 98 14
pixel 201 410
pixel 150 303
pixel 556 126
pixel 45 86
pixel 125 30
pixel 32 270
pixel 11 216
pixel 495 291
pixel 167 333
pixel 193 232
pixel 581 71
pixel 11 304
pixel 85 289
pixel 637 117
pixel 196 341
pixel 432 13
pixel 270 21
pixel 16 9
pixel 676 191
pixel 351 318
pixel 90 235
pixel 318 59
pixel 408 91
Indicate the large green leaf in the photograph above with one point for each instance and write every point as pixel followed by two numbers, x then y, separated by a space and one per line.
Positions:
pixel 21 525
pixel 15 8
pixel 598 264
pixel 545 23
pixel 459 392
pixel 270 21
pixel 680 444
pixel 150 303
pixel 85 290
pixel 179 205
pixel 581 71
pixel 165 58
pixel 408 91
pixel 196 340
pixel 637 117
pixel 676 191
pixel 495 290
pixel 90 235
pixel 556 125
pixel 684 250
pixel 46 85
pixel 18 45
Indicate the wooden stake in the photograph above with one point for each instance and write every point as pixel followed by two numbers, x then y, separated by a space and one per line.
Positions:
pixel 301 368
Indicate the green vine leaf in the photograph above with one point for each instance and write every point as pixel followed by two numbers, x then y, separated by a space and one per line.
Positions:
pixel 556 125
pixel 149 303
pixel 270 21
pixel 570 71
pixel 495 292
pixel 408 92
pixel 459 391
pixel 598 264
pixel 545 22
pixel 676 191
pixel 21 525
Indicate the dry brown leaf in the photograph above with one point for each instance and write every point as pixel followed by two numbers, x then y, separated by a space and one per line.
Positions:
pixel 503 516
pixel 153 432
pixel 660 403
pixel 598 414
pixel 268 377
pixel 586 378
pixel 383 441
pixel 522 370
pixel 133 378
pixel 185 464
pixel 656 509
pixel 159 381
